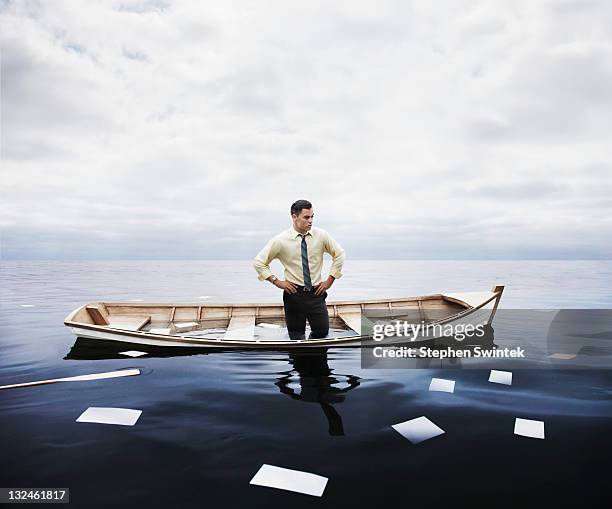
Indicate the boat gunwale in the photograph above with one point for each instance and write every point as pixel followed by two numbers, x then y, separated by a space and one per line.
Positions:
pixel 438 296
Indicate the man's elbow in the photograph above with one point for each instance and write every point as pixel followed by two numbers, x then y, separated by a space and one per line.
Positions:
pixel 338 262
pixel 263 270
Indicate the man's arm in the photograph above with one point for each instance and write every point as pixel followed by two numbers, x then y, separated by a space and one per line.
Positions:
pixel 263 259
pixel 338 254
pixel 262 266
pixel 335 272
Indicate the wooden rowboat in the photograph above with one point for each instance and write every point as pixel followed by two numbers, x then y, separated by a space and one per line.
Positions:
pixel 249 326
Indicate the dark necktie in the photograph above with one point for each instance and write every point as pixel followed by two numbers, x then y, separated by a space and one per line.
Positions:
pixel 305 268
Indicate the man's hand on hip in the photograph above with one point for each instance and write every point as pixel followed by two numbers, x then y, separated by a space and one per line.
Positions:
pixel 285 285
pixel 324 286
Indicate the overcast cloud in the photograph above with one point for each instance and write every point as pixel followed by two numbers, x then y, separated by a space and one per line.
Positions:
pixel 175 129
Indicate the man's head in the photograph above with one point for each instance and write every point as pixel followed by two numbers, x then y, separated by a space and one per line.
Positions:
pixel 301 215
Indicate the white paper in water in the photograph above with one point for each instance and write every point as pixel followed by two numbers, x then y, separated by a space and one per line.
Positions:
pixel 418 430
pixel 120 416
pixel 290 480
pixel 133 353
pixel 27 305
pixel 529 428
pixel 500 377
pixel 563 356
pixel 442 385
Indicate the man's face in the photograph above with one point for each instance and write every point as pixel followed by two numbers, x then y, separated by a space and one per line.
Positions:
pixel 303 221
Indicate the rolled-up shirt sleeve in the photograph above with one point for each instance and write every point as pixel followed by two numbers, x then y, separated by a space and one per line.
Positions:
pixel 338 255
pixel 263 259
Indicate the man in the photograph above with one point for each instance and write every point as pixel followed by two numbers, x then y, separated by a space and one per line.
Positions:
pixel 300 250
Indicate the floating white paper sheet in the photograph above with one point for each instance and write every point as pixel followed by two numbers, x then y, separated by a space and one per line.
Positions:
pixel 500 377
pixel 160 331
pixel 417 430
pixel 269 325
pixel 133 353
pixel 28 306
pixel 290 480
pixel 442 385
pixel 120 416
pixel 529 428
pixel 563 356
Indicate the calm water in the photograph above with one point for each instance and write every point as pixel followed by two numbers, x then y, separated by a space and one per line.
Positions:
pixel 210 421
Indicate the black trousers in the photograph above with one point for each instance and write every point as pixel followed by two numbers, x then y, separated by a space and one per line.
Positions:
pixel 302 306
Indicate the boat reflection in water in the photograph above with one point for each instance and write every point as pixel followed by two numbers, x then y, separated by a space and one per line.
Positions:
pixel 94 349
pixel 317 384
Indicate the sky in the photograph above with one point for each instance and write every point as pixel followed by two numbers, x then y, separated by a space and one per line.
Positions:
pixel 419 130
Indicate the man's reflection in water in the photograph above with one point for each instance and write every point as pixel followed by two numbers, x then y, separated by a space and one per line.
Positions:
pixel 317 384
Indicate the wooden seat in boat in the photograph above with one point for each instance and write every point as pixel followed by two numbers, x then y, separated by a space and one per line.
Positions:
pixel 129 322
pixel 241 326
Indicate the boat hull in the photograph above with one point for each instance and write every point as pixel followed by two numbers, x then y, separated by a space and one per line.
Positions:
pixel 471 308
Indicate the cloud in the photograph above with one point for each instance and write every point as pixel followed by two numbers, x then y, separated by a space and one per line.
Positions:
pixel 132 128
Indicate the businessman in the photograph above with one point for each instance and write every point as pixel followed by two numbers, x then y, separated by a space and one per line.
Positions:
pixel 300 250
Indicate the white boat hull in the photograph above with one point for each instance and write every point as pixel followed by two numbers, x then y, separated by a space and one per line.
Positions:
pixel 474 308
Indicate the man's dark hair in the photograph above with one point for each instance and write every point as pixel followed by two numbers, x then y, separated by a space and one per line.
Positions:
pixel 297 207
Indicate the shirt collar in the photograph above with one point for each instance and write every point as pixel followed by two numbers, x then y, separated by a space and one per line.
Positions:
pixel 295 234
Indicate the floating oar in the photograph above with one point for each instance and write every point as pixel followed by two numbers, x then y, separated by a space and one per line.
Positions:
pixel 80 378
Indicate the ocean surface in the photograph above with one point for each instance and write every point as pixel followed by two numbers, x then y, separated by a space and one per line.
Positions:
pixel 210 421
